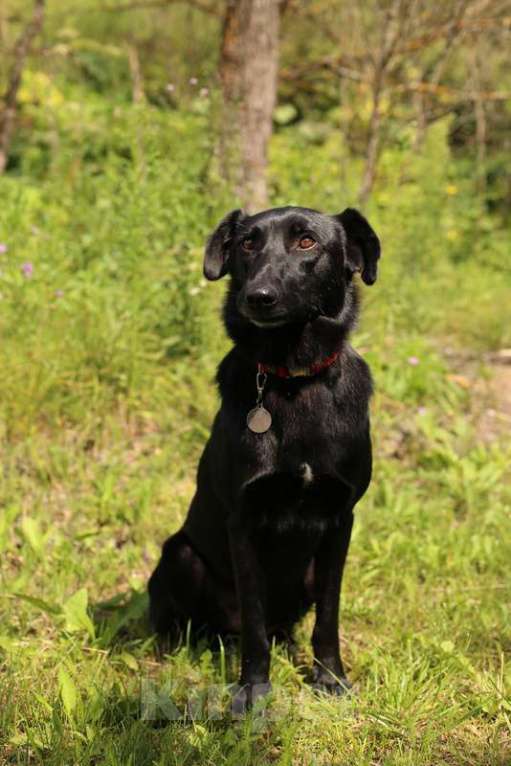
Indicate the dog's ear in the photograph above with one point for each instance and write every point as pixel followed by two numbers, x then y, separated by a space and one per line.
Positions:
pixel 362 246
pixel 216 259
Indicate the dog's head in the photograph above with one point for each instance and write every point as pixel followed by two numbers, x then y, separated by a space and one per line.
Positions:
pixel 291 264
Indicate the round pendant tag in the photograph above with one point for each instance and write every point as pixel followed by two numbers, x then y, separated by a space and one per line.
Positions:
pixel 259 420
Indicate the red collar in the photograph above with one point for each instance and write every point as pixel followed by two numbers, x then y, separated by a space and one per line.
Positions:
pixel 298 372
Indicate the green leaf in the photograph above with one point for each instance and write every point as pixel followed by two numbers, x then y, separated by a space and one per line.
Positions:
pixel 43 702
pixel 68 693
pixel 19 739
pixel 7 519
pixel 6 643
pixel 285 113
pixel 44 606
pixel 75 613
pixel 31 531
pixel 129 660
pixel 133 610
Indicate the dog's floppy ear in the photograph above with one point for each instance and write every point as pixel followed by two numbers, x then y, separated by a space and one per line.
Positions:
pixel 216 259
pixel 362 246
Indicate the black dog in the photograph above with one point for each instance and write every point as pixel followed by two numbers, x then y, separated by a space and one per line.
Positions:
pixel 269 527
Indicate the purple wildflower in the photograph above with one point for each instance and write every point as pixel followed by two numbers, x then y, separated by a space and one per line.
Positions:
pixel 193 81
pixel 413 360
pixel 204 92
pixel 3 248
pixel 28 269
pixel 59 293
pixel 170 87
pixel 422 410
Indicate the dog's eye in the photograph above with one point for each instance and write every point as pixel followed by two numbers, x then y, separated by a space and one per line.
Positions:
pixel 248 244
pixel 306 243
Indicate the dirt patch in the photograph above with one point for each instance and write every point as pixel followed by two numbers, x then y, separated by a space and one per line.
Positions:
pixel 494 420
pixel 487 377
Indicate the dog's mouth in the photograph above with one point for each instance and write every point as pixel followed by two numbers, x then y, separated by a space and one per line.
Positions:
pixel 269 323
pixel 275 316
pixel 265 320
pixel 273 321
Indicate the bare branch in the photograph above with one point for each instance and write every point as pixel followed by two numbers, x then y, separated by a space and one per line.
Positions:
pixel 138 5
pixel 497 24
pixel 396 19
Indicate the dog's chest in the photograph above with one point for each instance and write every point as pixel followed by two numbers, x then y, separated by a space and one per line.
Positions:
pixel 295 498
pixel 294 473
pixel 307 423
pixel 304 436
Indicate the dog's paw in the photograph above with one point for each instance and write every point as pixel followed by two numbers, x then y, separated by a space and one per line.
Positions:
pixel 325 683
pixel 247 697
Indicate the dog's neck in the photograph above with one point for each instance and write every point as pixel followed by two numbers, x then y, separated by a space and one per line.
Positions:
pixel 293 345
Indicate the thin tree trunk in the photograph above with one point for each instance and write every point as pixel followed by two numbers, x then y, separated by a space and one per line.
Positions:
pixel 137 81
pixel 248 73
pixel 231 85
pixel 480 118
pixel 392 22
pixel 2 26
pixel 10 99
pixel 420 117
pixel 373 143
pixel 260 95
pixel 434 72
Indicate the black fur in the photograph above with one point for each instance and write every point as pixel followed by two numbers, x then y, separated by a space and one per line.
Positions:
pixel 269 527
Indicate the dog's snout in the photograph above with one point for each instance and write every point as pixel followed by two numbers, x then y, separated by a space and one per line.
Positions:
pixel 261 298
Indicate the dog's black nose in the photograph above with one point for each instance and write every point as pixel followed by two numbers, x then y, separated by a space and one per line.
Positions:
pixel 261 298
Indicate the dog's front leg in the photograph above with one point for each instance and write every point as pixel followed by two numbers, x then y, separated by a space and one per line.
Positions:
pixel 255 647
pixel 328 672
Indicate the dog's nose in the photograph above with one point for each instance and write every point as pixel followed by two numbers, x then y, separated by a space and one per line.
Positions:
pixel 261 298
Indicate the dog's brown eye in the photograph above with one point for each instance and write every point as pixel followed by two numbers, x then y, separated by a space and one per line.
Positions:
pixel 306 243
pixel 247 244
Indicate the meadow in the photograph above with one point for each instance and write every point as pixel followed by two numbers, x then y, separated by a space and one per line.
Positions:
pixel 110 339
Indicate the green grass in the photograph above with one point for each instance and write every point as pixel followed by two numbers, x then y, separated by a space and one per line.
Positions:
pixel 107 398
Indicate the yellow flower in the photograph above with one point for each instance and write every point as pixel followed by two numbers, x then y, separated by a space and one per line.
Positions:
pixel 451 189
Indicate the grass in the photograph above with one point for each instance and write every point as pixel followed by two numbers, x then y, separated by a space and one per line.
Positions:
pixel 106 404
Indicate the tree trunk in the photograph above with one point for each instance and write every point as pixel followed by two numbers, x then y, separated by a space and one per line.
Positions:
pixel 248 73
pixel 420 116
pixel 10 99
pixel 137 81
pixel 373 143
pixel 480 119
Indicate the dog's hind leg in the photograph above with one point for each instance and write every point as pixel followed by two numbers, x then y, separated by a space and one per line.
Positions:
pixel 176 585
pixel 183 588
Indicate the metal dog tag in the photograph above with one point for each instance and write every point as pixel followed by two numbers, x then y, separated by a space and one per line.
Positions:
pixel 259 420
